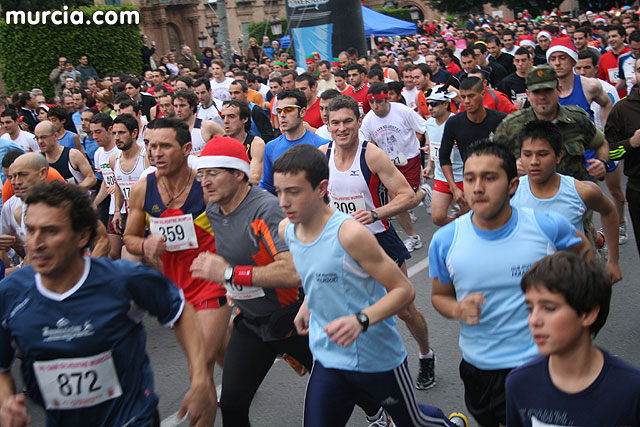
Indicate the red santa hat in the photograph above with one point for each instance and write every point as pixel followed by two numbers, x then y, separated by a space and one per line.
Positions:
pixel 599 20
pixel 543 33
pixel 526 40
pixel 224 152
pixel 563 44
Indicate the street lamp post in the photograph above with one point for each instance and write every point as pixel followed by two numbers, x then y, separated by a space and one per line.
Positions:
pixel 202 40
pixel 276 27
pixel 415 13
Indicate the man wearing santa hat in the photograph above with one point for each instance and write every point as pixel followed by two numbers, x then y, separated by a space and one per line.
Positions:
pixel 544 41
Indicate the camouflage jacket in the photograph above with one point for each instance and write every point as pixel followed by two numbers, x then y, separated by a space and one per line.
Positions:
pixel 577 129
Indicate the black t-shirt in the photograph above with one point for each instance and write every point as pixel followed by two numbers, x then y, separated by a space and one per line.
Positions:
pixel 512 85
pixel 459 129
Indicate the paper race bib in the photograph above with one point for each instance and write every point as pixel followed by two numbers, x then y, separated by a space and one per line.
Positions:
pixel 79 382
pixel 434 150
pixel 613 75
pixel 399 160
pixel 125 187
pixel 242 293
pixel 109 177
pixel 347 204
pixel 178 231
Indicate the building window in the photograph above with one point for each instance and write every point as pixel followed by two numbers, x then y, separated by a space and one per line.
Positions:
pixel 112 2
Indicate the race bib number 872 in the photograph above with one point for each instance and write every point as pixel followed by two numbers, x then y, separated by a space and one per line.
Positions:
pixel 79 382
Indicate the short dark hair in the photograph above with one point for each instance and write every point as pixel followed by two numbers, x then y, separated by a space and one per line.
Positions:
pixel 358 67
pixel 582 30
pixel 472 83
pixel 634 36
pixel 583 283
pixel 306 77
pixel 523 51
pixel 343 101
pixel 58 112
pixel 543 130
pixel 179 126
pixel 9 112
pixel 81 92
pixel 480 46
pixel 378 88
pixel 446 51
pixel 329 94
pixel 245 111
pixel 341 73
pixel 103 119
pixel 425 69
pixel 203 81
pixel 304 158
pixel 494 39
pixel 291 73
pixel 10 156
pixel 619 28
pixel 468 52
pixel 242 83
pixel 376 72
pixel 590 54
pixel 186 80
pixel 301 100
pixel 130 103
pixel 492 148
pixel 72 197
pixel 129 121
pixel 133 82
pixel 188 96
pixel 23 97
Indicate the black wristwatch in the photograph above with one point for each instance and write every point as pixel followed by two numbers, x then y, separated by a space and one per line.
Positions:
pixel 364 320
pixel 374 215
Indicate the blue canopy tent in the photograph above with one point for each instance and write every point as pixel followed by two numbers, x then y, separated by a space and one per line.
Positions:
pixel 375 23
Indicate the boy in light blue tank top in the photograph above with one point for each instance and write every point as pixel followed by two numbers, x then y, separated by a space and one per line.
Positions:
pixel 543 189
pixel 353 290
pixel 476 263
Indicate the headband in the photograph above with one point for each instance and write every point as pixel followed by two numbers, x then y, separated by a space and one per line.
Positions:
pixel 378 96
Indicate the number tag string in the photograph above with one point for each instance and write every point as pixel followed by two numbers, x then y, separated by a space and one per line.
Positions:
pixel 181 191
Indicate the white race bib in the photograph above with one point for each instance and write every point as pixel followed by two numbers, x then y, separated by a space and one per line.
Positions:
pixel 178 231
pixel 347 204
pixel 242 293
pixel 434 150
pixel 125 187
pixel 79 382
pixel 613 75
pixel 109 178
pixel 399 160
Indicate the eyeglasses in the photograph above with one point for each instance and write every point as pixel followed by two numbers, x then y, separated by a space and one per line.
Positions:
pixel 287 109
pixel 433 104
pixel 210 175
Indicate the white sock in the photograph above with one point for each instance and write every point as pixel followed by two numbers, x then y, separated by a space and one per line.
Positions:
pixel 426 356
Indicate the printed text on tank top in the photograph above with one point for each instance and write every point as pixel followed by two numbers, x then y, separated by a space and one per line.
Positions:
pixel 197 141
pixel 126 179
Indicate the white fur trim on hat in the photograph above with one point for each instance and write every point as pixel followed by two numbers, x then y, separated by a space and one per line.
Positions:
pixel 223 162
pixel 546 34
pixel 527 43
pixel 563 48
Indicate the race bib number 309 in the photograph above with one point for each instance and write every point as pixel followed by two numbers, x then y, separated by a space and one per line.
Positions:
pixel 79 382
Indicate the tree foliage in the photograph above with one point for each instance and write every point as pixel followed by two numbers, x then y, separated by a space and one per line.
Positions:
pixel 259 29
pixel 465 7
pixel 28 53
pixel 400 13
pixel 42 4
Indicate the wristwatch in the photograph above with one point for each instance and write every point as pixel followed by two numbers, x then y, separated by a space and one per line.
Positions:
pixel 364 320
pixel 374 215
pixel 228 275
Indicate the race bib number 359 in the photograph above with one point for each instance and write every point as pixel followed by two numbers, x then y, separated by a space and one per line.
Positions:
pixel 178 231
pixel 79 382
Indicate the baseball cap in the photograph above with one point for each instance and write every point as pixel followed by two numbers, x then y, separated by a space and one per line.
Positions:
pixel 541 77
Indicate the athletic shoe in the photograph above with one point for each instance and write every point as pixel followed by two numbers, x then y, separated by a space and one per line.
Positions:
pixel 412 216
pixel 601 248
pixel 453 211
pixel 413 243
pixel 459 419
pixel 381 419
pixel 427 197
pixel 426 375
pixel 622 233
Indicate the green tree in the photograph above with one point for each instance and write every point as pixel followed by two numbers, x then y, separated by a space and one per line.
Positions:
pixel 42 4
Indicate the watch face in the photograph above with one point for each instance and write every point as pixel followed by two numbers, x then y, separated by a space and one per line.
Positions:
pixel 362 318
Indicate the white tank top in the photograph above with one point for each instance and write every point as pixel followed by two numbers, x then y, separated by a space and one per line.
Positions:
pixel 354 188
pixel 197 143
pixel 126 180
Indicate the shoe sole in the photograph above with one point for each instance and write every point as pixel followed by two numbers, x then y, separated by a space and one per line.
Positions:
pixel 429 387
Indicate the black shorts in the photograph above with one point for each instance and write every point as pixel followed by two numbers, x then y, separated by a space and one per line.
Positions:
pixel 393 246
pixel 484 394
pixel 112 230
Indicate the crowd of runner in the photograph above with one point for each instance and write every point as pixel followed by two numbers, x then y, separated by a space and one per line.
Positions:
pixel 251 207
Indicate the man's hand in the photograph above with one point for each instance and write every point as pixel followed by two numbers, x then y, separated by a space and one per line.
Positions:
pixel 635 139
pixel 458 196
pixel 364 217
pixel 116 222
pixel 14 412
pixel 209 266
pixel 302 320
pixel 200 404
pixel 596 169
pixel 613 272
pixel 344 330
pixel 153 246
pixel 7 241
pixel 469 310
pixel 111 189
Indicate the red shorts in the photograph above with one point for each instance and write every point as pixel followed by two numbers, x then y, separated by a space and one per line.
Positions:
pixel 210 304
pixel 411 171
pixel 443 186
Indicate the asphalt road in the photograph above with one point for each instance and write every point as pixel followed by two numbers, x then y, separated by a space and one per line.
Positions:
pixel 279 401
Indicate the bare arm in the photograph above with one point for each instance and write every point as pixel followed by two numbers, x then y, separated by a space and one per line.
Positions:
pixel 467 310
pixel 134 233
pixel 101 243
pixel 76 140
pixel 257 160
pixel 210 129
pixel 596 200
pixel 600 96
pixel 80 162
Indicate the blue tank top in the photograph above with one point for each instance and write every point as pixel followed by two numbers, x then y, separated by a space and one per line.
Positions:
pixel 577 97
pixel 336 286
pixel 68 140
pixel 566 201
pixel 254 129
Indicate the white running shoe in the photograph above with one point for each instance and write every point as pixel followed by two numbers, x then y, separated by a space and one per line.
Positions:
pixel 622 233
pixel 426 200
pixel 413 243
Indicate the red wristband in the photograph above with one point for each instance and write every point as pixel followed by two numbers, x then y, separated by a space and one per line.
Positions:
pixel 242 275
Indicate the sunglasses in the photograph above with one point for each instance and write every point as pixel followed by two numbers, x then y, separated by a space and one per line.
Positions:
pixel 287 109
pixel 433 104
